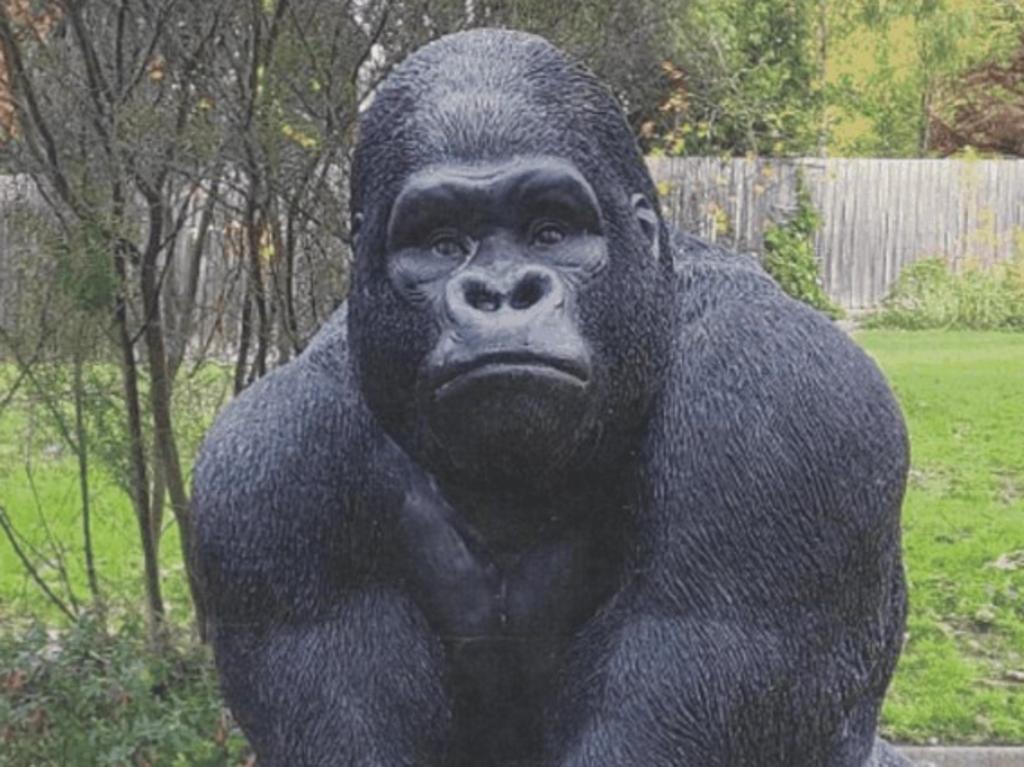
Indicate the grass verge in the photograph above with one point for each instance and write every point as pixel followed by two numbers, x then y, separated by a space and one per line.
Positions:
pixel 961 676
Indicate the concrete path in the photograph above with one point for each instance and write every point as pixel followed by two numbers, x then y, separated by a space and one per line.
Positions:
pixel 983 756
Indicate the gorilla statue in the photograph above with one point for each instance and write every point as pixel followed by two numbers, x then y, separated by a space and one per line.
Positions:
pixel 557 486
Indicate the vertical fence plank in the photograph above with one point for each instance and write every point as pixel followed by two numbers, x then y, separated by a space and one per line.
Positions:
pixel 878 215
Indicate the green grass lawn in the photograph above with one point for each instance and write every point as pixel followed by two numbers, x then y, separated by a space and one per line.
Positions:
pixel 961 678
pixel 39 488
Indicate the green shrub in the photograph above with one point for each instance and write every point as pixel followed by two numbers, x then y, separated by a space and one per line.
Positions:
pixel 929 294
pixel 82 696
pixel 1013 278
pixel 984 302
pixel 789 256
pixel 924 296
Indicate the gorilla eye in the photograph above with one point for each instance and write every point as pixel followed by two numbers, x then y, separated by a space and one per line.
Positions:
pixel 548 234
pixel 448 245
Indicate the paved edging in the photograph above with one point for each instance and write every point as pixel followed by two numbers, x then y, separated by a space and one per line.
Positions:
pixel 950 756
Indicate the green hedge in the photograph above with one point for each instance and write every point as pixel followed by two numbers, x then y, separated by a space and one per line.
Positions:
pixel 930 294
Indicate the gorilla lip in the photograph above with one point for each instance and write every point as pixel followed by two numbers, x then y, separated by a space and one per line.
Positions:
pixel 576 372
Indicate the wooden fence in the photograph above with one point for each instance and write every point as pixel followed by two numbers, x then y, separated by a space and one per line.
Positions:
pixel 877 215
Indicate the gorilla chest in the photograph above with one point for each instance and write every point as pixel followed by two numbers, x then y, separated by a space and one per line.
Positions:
pixel 472 594
pixel 486 571
pixel 506 616
pixel 505 588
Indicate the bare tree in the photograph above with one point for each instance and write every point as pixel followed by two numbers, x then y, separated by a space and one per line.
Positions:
pixel 112 137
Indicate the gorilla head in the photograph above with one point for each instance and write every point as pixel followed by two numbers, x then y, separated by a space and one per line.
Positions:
pixel 510 311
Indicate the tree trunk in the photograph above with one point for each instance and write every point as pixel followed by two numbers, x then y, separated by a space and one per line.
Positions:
pixel 924 139
pixel 253 227
pixel 155 617
pixel 156 502
pixel 244 335
pixel 83 482
pixel 823 39
pixel 160 390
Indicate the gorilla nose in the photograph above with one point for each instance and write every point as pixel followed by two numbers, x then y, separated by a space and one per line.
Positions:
pixel 523 292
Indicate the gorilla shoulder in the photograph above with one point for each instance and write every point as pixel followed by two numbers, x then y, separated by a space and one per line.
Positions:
pixel 745 342
pixel 274 431
pixel 275 470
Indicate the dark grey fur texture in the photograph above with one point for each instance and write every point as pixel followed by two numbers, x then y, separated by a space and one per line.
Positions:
pixel 690 556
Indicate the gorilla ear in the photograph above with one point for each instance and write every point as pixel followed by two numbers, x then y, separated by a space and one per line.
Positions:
pixel 357 224
pixel 648 220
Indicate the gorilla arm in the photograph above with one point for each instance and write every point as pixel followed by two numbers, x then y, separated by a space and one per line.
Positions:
pixel 321 659
pixel 765 612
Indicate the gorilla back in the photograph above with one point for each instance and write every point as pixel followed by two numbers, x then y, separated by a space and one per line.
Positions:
pixel 555 487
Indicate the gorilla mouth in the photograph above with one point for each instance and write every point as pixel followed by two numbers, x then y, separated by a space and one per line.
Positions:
pixel 573 372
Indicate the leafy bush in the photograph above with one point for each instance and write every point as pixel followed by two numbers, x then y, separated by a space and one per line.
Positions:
pixel 923 296
pixel 87 697
pixel 790 259
pixel 930 294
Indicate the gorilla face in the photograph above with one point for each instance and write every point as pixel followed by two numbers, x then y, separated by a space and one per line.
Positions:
pixel 501 253
pixel 502 256
pixel 509 316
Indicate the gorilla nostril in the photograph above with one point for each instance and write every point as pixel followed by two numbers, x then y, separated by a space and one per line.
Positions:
pixel 530 290
pixel 481 297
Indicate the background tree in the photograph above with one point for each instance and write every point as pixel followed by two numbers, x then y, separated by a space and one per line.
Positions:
pixel 806 77
pixel 982 109
pixel 892 59
pixel 112 139
pixel 745 79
